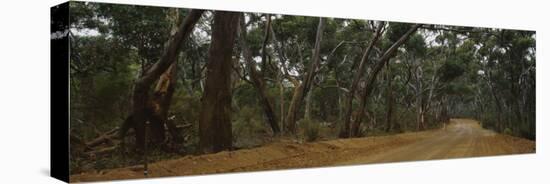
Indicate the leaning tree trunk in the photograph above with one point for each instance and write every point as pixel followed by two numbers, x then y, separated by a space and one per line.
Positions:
pixel 257 79
pixel 304 87
pixel 142 107
pixel 377 67
pixel 163 96
pixel 289 123
pixel 267 34
pixel 215 118
pixel 164 90
pixel 345 130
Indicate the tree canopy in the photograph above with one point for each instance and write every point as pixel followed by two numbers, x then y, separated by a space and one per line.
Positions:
pixel 265 76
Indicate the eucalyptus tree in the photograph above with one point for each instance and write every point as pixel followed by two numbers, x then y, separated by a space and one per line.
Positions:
pixel 257 78
pixel 215 132
pixel 380 62
pixel 507 62
pixel 143 109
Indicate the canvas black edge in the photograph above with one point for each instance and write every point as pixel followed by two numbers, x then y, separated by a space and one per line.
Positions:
pixel 59 91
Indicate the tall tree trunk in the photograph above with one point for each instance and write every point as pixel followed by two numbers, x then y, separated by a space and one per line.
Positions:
pixel 307 110
pixel 315 58
pixel 419 114
pixel 304 87
pixel 389 99
pixel 345 129
pixel 257 79
pixel 499 109
pixel 377 67
pixel 281 101
pixel 290 124
pixel 267 32
pixel 419 99
pixel 281 76
pixel 427 104
pixel 215 118
pixel 496 101
pixel 141 104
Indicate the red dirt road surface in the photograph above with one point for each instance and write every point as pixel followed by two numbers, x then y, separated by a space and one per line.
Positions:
pixel 461 138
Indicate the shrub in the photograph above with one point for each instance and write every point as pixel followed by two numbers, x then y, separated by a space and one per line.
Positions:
pixel 310 130
pixel 508 131
pixel 248 127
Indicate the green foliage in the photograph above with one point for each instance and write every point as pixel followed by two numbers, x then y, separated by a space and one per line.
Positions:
pixel 416 45
pixel 100 83
pixel 296 27
pixel 248 127
pixel 325 101
pixel 396 30
pixel 186 107
pixel 477 73
pixel 310 130
pixel 450 70
pixel 245 94
pixel 124 22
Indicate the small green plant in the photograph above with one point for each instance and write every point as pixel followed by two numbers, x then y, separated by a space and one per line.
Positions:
pixel 310 130
pixel 508 131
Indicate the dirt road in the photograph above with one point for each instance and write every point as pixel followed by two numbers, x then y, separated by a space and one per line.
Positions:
pixel 461 138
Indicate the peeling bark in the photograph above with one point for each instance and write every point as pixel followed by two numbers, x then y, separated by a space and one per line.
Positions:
pixel 142 108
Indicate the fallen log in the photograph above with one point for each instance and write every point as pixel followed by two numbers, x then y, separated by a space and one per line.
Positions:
pixel 104 138
pixel 100 140
pixel 114 130
pixel 179 127
pixel 110 136
pixel 101 152
pixel 79 143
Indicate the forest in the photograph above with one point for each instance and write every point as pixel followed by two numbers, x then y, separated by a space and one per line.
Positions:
pixel 153 83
